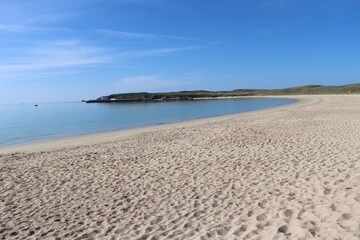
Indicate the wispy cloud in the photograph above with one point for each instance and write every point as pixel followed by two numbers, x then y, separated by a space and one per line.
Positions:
pixel 39 11
pixel 158 51
pixel 26 29
pixel 136 35
pixel 70 54
pixel 54 55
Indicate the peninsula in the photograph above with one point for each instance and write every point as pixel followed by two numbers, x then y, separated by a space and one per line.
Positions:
pixel 201 94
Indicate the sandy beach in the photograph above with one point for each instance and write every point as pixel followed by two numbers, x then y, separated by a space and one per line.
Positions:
pixel 290 172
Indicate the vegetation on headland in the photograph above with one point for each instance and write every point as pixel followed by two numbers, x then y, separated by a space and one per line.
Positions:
pixel 190 95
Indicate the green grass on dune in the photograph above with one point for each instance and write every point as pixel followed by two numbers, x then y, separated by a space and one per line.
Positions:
pixel 186 95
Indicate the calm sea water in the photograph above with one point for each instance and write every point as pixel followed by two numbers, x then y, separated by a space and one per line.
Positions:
pixel 26 123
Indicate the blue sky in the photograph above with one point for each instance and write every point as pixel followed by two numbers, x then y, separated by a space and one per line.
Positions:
pixel 70 50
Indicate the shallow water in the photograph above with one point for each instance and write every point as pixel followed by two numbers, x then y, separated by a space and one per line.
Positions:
pixel 25 122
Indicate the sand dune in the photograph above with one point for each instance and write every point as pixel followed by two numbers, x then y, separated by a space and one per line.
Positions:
pixel 291 172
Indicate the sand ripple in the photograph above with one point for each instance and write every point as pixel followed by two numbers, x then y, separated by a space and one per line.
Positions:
pixel 287 174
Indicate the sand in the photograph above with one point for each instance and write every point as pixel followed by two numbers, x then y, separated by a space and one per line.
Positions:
pixel 291 172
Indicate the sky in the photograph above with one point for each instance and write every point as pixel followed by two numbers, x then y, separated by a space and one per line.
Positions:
pixel 54 51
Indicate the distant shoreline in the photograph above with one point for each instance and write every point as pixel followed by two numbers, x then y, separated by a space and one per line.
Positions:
pixel 104 136
pixel 203 94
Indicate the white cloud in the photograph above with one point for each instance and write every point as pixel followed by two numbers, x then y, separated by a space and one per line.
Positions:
pixel 25 29
pixel 135 35
pixel 158 51
pixel 22 62
pixel 54 55
pixel 39 11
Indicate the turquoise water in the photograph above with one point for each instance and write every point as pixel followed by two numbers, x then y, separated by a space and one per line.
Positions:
pixel 26 123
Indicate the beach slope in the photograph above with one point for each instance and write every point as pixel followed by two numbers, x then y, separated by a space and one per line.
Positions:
pixel 290 172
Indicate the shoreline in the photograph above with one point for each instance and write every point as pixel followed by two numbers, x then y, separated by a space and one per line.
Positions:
pixel 290 172
pixel 108 136
pixel 113 135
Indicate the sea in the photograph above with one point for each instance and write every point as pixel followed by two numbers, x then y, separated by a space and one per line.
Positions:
pixel 23 123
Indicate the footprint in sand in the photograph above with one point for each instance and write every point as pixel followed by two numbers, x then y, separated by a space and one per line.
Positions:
pixel 288 213
pixel 261 217
pixel 283 229
pixel 240 230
